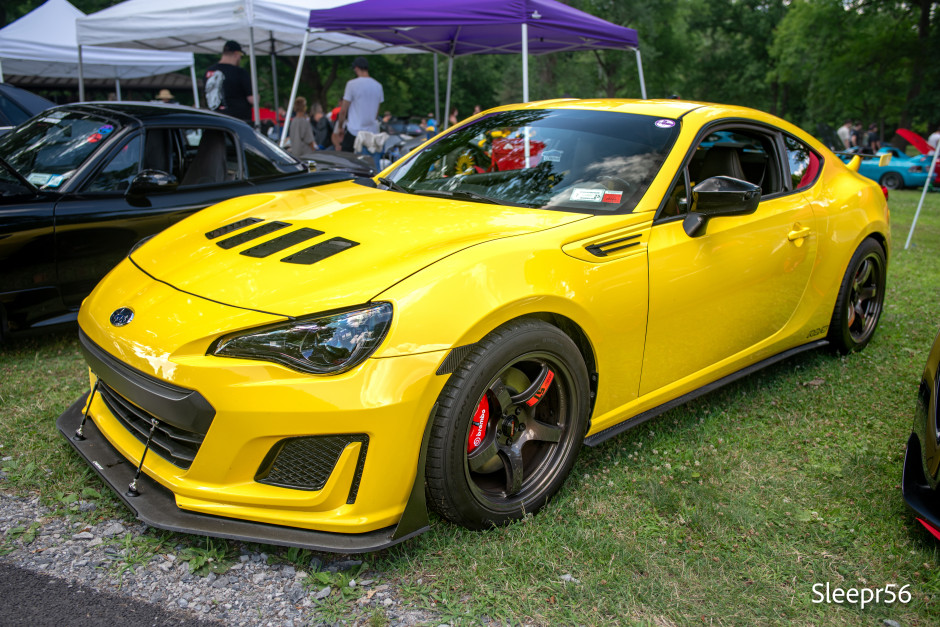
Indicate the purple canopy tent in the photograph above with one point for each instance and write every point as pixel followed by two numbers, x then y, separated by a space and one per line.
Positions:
pixel 457 27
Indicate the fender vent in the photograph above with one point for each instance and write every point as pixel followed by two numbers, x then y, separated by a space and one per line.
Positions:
pixel 234 226
pixel 278 244
pixel 247 236
pixel 604 248
pixel 453 359
pixel 319 252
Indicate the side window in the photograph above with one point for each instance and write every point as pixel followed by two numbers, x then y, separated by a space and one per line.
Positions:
pixel 161 152
pixel 117 174
pixel 264 158
pixel 210 157
pixel 804 163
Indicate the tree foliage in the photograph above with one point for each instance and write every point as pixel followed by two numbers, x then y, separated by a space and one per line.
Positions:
pixel 810 61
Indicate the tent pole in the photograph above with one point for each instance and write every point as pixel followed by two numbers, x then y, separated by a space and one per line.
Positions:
pixel 639 67
pixel 277 104
pixel 1 73
pixel 933 164
pixel 437 94
pixel 450 75
pixel 525 62
pixel 192 75
pixel 293 89
pixel 256 117
pixel 81 76
pixel 117 89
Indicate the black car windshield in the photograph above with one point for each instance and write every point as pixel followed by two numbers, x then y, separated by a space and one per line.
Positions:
pixel 47 150
pixel 565 159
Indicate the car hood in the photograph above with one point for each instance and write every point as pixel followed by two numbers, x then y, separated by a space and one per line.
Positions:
pixel 360 241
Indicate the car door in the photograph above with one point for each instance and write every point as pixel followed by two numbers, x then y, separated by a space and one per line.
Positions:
pixel 716 299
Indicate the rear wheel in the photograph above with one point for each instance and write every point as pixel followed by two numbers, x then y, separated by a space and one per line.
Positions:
pixel 509 425
pixel 892 180
pixel 861 296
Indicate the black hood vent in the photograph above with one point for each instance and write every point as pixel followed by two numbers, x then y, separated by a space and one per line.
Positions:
pixel 234 226
pixel 247 236
pixel 278 244
pixel 319 252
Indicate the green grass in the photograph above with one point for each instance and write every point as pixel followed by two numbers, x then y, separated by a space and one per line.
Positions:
pixel 726 510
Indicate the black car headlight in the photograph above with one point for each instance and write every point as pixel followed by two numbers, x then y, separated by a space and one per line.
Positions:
pixel 325 344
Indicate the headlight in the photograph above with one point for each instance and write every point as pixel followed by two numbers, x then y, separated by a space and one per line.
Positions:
pixel 327 344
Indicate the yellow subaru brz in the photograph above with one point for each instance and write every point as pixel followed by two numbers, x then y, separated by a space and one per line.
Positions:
pixel 318 368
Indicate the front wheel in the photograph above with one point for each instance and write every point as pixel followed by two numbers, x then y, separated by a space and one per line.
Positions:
pixel 509 425
pixel 861 296
pixel 892 180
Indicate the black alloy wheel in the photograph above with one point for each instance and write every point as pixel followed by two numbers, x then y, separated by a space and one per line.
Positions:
pixel 892 180
pixel 860 301
pixel 509 425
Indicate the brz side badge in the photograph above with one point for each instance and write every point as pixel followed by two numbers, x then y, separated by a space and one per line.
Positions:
pixel 122 316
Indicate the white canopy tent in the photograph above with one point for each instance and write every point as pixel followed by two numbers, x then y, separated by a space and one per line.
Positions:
pixel 274 27
pixel 44 43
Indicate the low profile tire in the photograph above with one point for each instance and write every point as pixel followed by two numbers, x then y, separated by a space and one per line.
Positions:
pixel 509 425
pixel 892 180
pixel 861 296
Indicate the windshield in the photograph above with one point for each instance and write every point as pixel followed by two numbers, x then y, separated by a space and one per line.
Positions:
pixel 565 159
pixel 49 149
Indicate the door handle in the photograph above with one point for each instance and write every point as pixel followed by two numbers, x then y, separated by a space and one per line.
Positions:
pixel 798 233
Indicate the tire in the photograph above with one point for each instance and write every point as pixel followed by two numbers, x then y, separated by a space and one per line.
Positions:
pixel 483 471
pixel 892 180
pixel 861 296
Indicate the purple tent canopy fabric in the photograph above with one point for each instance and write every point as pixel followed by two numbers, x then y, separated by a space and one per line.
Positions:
pixel 458 27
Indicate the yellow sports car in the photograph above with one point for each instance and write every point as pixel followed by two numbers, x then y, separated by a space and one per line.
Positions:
pixel 320 367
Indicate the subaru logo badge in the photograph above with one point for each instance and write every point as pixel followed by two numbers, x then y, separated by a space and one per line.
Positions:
pixel 122 316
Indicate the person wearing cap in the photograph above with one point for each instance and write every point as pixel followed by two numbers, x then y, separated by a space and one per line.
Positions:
pixel 359 107
pixel 228 86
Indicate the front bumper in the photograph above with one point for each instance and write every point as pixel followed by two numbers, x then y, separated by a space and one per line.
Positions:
pixel 920 498
pixel 156 506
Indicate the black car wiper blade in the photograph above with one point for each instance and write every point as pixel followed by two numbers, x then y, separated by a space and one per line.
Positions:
pixel 462 193
pixel 392 185
pixel 22 179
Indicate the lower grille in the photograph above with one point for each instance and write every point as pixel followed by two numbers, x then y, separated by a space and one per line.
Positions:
pixel 173 444
pixel 306 463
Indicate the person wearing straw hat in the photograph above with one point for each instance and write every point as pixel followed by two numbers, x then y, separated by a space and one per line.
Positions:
pixel 166 96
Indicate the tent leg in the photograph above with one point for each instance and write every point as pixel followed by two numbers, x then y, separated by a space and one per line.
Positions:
pixel 933 164
pixel 639 67
pixel 437 94
pixel 117 89
pixel 450 75
pixel 293 89
pixel 525 62
pixel 277 104
pixel 256 105
pixel 81 76
pixel 192 76
pixel 1 73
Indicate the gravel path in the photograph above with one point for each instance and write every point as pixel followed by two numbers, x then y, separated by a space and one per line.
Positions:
pixel 252 591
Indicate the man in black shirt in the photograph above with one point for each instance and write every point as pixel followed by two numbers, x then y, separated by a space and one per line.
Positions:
pixel 228 87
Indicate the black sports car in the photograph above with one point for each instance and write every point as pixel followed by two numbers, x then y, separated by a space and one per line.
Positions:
pixel 81 184
pixel 921 480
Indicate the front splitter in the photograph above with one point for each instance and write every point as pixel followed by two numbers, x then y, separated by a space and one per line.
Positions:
pixel 156 505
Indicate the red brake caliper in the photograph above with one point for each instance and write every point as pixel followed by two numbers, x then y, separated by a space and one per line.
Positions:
pixel 539 393
pixel 481 418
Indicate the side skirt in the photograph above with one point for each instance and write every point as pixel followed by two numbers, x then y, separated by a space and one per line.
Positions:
pixel 606 434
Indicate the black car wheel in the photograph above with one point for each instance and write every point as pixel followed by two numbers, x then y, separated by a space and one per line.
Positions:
pixel 509 425
pixel 892 180
pixel 860 300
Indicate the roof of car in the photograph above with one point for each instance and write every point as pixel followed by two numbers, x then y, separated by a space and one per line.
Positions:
pixel 154 112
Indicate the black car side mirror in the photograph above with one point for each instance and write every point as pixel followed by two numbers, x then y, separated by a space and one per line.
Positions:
pixel 152 181
pixel 720 196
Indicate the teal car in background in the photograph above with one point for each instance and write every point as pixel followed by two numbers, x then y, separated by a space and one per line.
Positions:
pixel 900 172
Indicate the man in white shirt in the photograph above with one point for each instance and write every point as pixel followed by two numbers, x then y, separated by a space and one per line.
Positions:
pixel 359 107
pixel 845 133
pixel 934 139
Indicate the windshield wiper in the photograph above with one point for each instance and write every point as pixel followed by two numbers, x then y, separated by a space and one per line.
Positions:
pixel 462 193
pixel 392 185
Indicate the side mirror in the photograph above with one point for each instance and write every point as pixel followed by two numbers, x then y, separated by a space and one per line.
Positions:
pixel 720 196
pixel 151 181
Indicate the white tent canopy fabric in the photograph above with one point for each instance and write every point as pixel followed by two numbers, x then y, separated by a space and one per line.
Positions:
pixel 44 43
pixel 260 26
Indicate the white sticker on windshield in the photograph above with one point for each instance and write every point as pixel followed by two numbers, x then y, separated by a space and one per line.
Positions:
pixel 552 155
pixel 38 178
pixel 57 115
pixel 665 123
pixel 50 120
pixel 587 195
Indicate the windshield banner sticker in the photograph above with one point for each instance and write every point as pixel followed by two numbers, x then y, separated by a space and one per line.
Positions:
pixel 587 195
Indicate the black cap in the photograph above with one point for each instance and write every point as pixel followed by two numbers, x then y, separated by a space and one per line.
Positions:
pixel 362 63
pixel 232 46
